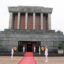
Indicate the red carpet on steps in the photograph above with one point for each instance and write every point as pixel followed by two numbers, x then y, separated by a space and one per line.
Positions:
pixel 28 59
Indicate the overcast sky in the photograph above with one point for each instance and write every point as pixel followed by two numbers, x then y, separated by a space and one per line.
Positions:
pixel 57 17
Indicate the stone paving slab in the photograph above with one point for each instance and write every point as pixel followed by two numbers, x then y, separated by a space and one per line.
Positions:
pixel 39 60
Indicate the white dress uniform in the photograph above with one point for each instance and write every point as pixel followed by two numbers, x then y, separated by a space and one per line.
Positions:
pixel 12 53
pixel 34 49
pixel 46 54
pixel 39 50
pixel 23 49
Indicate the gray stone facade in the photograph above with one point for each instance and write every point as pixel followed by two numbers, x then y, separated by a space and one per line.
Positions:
pixel 30 9
pixel 10 38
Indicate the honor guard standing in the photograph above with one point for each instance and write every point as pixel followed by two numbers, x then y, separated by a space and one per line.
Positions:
pixel 46 53
pixel 12 53
pixel 39 50
pixel 34 49
pixel 23 49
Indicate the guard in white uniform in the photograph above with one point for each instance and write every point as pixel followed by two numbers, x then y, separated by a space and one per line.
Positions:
pixel 34 49
pixel 39 50
pixel 23 49
pixel 12 53
pixel 46 53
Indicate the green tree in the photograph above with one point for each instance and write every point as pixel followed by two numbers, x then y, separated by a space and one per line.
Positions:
pixel 60 46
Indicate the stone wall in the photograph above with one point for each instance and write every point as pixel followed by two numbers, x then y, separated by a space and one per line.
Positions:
pixel 10 38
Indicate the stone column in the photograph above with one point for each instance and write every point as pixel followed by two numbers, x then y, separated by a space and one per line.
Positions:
pixel 26 20
pixel 49 21
pixel 10 20
pixel 18 21
pixel 33 20
pixel 41 21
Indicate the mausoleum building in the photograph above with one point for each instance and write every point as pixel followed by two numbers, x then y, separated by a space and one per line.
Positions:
pixel 28 27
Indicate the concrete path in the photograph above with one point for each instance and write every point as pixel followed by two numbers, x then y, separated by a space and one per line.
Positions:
pixel 39 60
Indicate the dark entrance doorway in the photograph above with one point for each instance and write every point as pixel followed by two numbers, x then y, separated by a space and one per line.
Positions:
pixel 29 47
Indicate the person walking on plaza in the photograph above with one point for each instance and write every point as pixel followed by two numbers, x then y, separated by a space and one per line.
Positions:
pixel 12 53
pixel 46 53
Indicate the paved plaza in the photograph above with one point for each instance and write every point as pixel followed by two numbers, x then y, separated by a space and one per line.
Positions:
pixel 39 60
